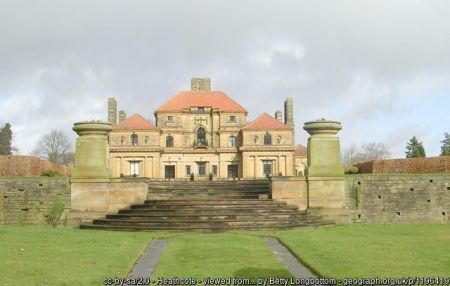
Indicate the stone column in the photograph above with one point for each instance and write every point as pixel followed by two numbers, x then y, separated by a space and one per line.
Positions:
pixel 323 148
pixel 325 175
pixel 91 153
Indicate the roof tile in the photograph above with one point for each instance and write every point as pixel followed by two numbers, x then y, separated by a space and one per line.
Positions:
pixel 135 122
pixel 265 121
pixel 214 99
pixel 300 151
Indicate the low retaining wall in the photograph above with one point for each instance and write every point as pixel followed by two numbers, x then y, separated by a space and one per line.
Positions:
pixel 94 198
pixel 430 165
pixel 26 200
pixel 25 166
pixel 398 198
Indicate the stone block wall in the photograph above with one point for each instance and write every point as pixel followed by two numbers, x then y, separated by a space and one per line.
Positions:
pixel 27 199
pixel 13 165
pixel 430 165
pixel 291 190
pixel 399 198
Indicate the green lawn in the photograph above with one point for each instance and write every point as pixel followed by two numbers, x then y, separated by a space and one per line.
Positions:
pixel 63 256
pixel 391 250
pixel 220 256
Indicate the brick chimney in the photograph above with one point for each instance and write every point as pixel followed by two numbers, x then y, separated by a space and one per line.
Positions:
pixel 112 111
pixel 122 115
pixel 289 112
pixel 200 84
pixel 279 116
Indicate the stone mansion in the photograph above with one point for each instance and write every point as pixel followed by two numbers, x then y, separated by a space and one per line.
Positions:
pixel 202 134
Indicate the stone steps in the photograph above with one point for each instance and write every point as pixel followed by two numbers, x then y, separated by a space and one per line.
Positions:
pixel 207 206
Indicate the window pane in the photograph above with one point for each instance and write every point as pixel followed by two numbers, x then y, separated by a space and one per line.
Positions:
pixel 232 141
pixel 267 139
pixel 188 170
pixel 134 139
pixel 267 167
pixel 201 169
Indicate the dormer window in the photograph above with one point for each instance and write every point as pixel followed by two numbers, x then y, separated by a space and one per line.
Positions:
pixel 232 119
pixel 134 139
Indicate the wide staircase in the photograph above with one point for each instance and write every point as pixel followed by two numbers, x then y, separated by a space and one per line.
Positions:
pixel 209 206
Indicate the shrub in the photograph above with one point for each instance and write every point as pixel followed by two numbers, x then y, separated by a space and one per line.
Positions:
pixel 352 170
pixel 54 214
pixel 51 173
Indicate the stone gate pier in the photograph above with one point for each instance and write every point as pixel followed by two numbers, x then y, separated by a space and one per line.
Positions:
pixel 322 190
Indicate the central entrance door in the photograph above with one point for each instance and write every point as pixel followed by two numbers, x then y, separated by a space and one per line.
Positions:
pixel 232 171
pixel 169 172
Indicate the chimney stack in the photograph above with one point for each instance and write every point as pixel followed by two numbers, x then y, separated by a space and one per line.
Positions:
pixel 122 116
pixel 289 112
pixel 112 111
pixel 200 84
pixel 279 116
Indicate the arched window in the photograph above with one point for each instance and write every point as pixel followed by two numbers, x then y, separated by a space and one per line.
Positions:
pixel 267 139
pixel 201 137
pixel 232 141
pixel 134 139
pixel 169 141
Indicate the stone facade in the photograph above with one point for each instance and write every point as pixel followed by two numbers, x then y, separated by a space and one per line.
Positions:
pixel 14 165
pixel 204 134
pixel 27 200
pixel 407 165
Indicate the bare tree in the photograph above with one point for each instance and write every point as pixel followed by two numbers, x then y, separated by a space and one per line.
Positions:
pixel 368 151
pixel 349 155
pixel 54 147
pixel 374 151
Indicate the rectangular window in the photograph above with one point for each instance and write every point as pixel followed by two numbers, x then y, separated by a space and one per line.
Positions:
pixel 232 118
pixel 188 170
pixel 201 168
pixel 169 118
pixel 201 109
pixel 214 170
pixel 232 141
pixel 134 168
pixel 267 167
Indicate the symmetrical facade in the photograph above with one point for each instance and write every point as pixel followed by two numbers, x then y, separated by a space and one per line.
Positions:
pixel 201 134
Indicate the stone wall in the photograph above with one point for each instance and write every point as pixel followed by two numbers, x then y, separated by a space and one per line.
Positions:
pixel 399 198
pixel 430 165
pixel 27 199
pixel 12 165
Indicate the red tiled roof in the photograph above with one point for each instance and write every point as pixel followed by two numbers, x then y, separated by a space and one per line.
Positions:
pixel 300 151
pixel 265 121
pixel 214 99
pixel 135 122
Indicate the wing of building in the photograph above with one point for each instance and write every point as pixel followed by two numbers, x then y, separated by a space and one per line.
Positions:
pixel 202 134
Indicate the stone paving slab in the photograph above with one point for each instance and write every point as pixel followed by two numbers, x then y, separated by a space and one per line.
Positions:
pixel 297 269
pixel 146 264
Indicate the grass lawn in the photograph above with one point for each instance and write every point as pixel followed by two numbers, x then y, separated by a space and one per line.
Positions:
pixel 391 250
pixel 63 256
pixel 219 256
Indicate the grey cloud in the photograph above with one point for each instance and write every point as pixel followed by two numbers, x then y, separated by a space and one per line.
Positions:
pixel 73 55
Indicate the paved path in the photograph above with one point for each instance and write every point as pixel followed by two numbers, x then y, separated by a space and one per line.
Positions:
pixel 146 264
pixel 297 269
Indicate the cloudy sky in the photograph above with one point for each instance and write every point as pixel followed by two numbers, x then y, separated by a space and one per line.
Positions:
pixel 382 68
